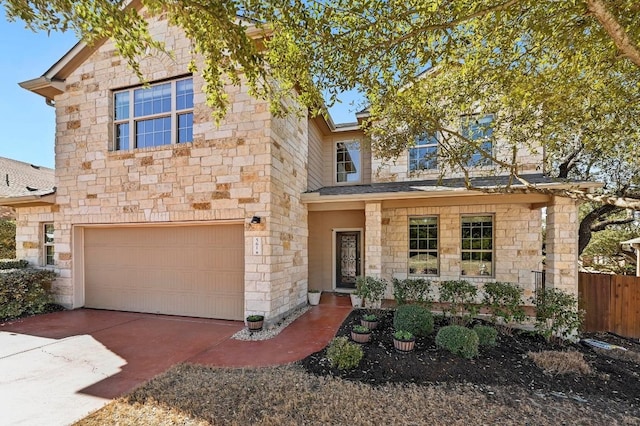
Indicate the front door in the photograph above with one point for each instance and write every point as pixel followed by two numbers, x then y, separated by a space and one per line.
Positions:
pixel 347 258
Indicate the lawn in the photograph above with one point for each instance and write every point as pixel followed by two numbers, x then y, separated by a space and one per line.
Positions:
pixel 503 385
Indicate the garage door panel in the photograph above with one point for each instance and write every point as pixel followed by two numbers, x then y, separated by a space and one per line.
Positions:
pixel 192 271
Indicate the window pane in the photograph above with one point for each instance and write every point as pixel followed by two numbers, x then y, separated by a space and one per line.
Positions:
pixel 184 94
pixel 122 136
pixel 121 105
pixel 152 100
pixel 154 132
pixel 185 128
pixel 479 128
pixel 49 255
pixel 48 232
pixel 477 245
pixel 423 245
pixel 348 162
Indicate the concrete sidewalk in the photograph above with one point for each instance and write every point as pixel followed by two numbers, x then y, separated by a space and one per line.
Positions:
pixel 56 368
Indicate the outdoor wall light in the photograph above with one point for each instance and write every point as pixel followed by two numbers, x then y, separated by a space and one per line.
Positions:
pixel 255 220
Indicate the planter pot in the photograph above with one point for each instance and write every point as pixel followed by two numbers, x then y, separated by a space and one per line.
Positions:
pixel 314 297
pixel 371 325
pixel 360 337
pixel 404 346
pixel 255 325
pixel 356 301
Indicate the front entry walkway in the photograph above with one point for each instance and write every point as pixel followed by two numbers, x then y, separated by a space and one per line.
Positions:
pixel 56 368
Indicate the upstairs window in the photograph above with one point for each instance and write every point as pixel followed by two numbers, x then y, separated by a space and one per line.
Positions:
pixel 160 114
pixel 424 155
pixel 479 128
pixel 348 161
pixel 47 244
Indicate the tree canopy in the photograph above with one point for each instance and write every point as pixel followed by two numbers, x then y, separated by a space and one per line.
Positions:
pixel 561 74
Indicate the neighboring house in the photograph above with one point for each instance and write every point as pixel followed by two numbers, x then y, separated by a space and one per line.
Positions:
pixel 158 210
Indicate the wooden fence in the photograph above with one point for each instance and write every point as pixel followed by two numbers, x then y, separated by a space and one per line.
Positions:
pixel 611 303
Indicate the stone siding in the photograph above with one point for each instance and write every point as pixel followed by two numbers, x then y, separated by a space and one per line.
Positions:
pixel 517 242
pixel 250 165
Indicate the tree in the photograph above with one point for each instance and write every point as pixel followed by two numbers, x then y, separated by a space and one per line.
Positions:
pixel 561 74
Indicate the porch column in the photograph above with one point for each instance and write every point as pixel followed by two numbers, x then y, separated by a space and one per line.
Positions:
pixel 373 239
pixel 562 245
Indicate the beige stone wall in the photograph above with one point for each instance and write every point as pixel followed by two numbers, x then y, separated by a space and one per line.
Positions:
pixel 288 222
pixel 517 242
pixel 562 245
pixel 29 246
pixel 245 167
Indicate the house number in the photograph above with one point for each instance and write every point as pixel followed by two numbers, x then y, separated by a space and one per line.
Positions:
pixel 257 245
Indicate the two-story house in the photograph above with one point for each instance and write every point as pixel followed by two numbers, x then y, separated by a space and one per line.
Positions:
pixel 157 209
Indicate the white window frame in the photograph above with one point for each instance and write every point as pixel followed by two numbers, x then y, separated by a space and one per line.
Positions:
pixel 335 162
pixel 481 250
pixel 174 113
pixel 423 251
pixel 464 126
pixel 426 141
pixel 48 244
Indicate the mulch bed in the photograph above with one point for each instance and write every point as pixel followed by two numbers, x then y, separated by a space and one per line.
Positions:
pixel 614 384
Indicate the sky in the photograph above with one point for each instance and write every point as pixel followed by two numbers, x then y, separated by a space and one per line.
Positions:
pixel 28 123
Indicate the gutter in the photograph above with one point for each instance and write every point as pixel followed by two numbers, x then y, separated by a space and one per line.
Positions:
pixel 29 200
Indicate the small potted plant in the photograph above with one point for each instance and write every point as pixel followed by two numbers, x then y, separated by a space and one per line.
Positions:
pixel 403 341
pixel 314 296
pixel 255 322
pixel 371 290
pixel 370 321
pixel 360 334
pixel 356 300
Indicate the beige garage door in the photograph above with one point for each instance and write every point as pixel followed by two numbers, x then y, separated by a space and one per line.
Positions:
pixel 189 270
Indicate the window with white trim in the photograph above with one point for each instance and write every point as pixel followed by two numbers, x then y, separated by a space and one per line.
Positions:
pixel 479 128
pixel 423 245
pixel 424 154
pixel 477 245
pixel 160 114
pixel 348 160
pixel 47 244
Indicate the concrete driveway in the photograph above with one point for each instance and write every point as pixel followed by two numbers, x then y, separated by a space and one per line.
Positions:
pixel 57 368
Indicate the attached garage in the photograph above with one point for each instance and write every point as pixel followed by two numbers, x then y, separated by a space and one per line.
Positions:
pixel 176 270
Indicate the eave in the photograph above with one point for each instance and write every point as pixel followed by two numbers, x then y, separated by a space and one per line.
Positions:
pixel 29 200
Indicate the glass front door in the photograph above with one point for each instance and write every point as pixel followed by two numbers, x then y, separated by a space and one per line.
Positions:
pixel 347 258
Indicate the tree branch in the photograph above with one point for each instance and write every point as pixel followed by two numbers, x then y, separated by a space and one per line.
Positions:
pixel 601 226
pixel 610 23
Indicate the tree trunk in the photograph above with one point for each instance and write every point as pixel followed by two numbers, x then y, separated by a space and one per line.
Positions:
pixel 585 231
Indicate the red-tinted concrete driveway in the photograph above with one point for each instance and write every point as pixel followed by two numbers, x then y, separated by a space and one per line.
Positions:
pixel 116 351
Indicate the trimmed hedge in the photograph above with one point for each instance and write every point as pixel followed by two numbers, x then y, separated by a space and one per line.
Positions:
pixel 458 340
pixel 7 239
pixel 486 335
pixel 344 354
pixel 13 264
pixel 24 291
pixel 415 319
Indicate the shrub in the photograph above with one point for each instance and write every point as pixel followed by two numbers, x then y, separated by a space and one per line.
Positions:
pixel 403 335
pixel 412 290
pixel 344 354
pixel 24 291
pixel 370 289
pixel 361 329
pixel 460 295
pixel 7 239
pixel 559 362
pixel 13 264
pixel 486 335
pixel 458 340
pixel 504 300
pixel 557 314
pixel 413 318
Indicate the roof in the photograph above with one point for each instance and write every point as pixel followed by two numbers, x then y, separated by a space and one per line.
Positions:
pixel 632 241
pixel 446 185
pixel 20 180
